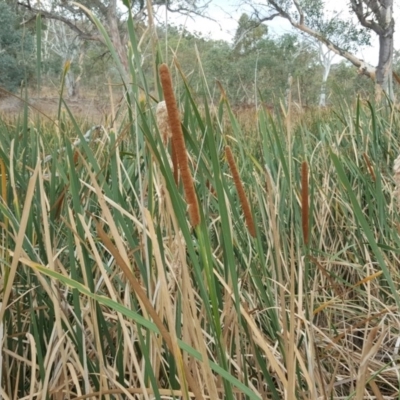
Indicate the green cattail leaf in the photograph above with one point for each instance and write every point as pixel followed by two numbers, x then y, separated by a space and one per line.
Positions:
pixel 141 321
pixel 365 226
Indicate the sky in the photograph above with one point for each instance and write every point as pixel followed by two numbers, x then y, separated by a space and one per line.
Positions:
pixel 227 12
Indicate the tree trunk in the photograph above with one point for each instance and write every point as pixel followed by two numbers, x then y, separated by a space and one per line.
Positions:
pixel 322 95
pixel 326 61
pixel 112 21
pixel 71 84
pixel 385 65
pixel 288 91
pixel 378 16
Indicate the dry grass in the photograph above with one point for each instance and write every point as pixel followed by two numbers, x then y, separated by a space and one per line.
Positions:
pixel 108 292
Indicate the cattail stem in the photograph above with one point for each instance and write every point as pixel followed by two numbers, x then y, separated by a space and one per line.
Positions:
pixel 179 144
pixel 304 201
pixel 242 195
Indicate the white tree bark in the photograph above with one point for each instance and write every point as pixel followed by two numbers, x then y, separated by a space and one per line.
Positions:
pixel 326 57
pixel 385 65
pixel 377 15
pixel 292 61
pixel 112 21
pixel 67 45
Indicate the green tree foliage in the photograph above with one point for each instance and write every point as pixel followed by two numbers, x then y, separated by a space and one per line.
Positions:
pixel 16 47
pixel 258 70
pixel 345 84
pixel 248 34
pixel 262 65
pixel 254 68
pixel 310 18
pixel 78 17
pixel 343 33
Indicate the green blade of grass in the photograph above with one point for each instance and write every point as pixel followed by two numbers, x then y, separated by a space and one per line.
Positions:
pixel 140 320
pixel 365 226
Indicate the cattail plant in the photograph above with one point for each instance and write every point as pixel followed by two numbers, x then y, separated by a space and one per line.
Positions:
pixel 166 134
pixel 179 144
pixel 304 201
pixel 162 121
pixel 242 195
pixel 369 166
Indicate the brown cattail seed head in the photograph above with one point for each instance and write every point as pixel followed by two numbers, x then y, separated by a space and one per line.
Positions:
pixel 242 195
pixel 369 166
pixel 179 144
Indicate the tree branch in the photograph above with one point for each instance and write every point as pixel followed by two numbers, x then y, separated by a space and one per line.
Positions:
pixel 300 11
pixel 281 11
pixel 100 6
pixel 358 9
pixel 76 11
pixel 188 11
pixel 66 21
pixel 363 67
pixel 269 18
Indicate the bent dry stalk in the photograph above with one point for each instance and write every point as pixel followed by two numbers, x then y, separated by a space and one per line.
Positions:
pixel 162 121
pixel 179 145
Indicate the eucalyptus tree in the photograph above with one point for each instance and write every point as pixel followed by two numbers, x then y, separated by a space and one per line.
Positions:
pixel 248 43
pixel 343 33
pixel 259 58
pixel 110 12
pixel 68 47
pixel 336 33
pixel 377 15
pixel 248 34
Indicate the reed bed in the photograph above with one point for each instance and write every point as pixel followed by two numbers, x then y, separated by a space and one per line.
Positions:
pixel 280 282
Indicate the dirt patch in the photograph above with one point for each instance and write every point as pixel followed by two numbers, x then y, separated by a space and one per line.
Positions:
pixel 91 109
pixel 10 105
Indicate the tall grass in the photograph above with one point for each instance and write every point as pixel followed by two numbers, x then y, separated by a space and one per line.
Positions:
pixel 109 290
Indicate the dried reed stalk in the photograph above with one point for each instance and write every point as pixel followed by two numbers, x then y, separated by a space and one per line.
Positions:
pixel 179 144
pixel 166 134
pixel 57 206
pixel 142 296
pixel 242 195
pixel 162 121
pixel 222 90
pixel 369 166
pixel 211 188
pixel 304 200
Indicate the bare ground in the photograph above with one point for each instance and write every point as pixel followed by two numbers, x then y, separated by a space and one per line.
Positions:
pixel 91 109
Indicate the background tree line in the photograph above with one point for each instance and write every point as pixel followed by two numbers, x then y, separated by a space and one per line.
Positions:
pixel 255 67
